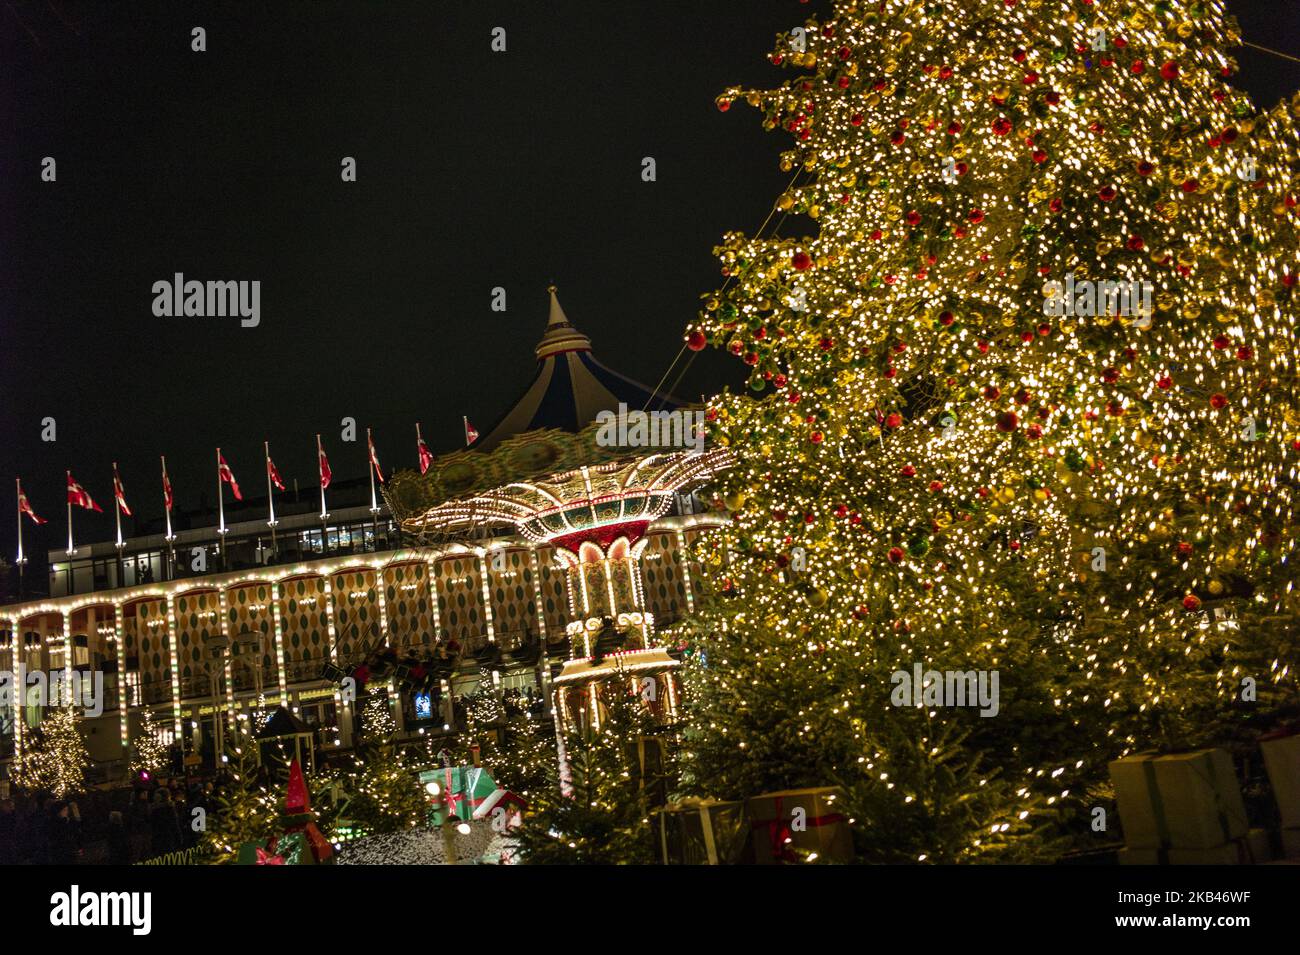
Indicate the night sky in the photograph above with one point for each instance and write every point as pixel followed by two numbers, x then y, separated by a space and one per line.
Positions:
pixel 475 170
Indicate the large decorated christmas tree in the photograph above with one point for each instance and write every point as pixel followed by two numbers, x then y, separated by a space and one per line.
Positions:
pixel 1019 407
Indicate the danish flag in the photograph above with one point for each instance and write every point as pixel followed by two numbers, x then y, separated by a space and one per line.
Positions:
pixel 119 493
pixel 471 433
pixel 225 474
pixel 273 474
pixel 77 495
pixel 25 507
pixel 374 459
pixel 325 473
pixel 167 487
pixel 426 457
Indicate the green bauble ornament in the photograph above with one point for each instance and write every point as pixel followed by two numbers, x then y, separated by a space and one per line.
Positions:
pixel 918 546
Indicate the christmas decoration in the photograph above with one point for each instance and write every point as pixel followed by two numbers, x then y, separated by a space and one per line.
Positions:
pixel 1001 407
pixel 147 753
pixel 55 759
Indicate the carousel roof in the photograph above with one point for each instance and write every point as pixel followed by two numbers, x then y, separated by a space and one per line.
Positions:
pixel 570 387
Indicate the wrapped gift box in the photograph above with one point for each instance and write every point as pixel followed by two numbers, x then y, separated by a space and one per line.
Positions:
pixel 701 832
pixel 797 825
pixel 1251 849
pixel 1282 760
pixel 1180 801
pixel 463 787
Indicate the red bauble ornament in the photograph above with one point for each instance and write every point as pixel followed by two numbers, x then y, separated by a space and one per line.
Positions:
pixel 816 437
pixel 893 420
pixel 697 340
pixel 1001 126
pixel 1218 400
pixel 1192 602
pixel 801 261
pixel 1008 421
pixel 1106 193
pixel 1169 70
pixel 895 555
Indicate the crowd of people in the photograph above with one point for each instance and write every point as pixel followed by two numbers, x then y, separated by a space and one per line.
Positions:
pixel 120 827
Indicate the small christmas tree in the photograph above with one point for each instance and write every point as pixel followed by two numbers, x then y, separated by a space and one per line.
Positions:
pixel 599 814
pixel 148 755
pixel 377 721
pixel 486 711
pixel 56 759
pixel 379 791
pixel 245 811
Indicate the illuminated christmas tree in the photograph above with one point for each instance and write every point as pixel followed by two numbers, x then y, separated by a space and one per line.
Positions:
pixel 598 812
pixel 55 759
pixel 147 753
pixel 1016 343
pixel 377 722
pixel 246 807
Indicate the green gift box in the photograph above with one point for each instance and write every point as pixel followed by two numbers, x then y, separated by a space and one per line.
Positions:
pixel 294 849
pixel 464 788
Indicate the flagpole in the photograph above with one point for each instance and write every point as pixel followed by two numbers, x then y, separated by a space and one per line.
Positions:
pixel 70 547
pixel 270 497
pixel 419 443
pixel 167 509
pixel 324 514
pixel 221 512
pixel 117 510
pixel 22 560
pixel 374 501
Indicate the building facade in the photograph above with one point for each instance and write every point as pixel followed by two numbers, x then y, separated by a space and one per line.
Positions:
pixel 210 632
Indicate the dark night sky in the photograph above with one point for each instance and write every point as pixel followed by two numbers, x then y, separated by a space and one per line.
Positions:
pixel 475 170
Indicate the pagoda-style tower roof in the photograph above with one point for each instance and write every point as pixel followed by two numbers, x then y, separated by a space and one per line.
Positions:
pixel 570 387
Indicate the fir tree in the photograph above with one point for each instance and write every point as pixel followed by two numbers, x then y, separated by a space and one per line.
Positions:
pixel 598 812
pixel 55 758
pixel 147 753
pixel 938 440
pixel 246 808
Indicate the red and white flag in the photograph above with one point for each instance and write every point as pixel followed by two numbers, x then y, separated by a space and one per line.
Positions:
pixel 273 474
pixel 167 486
pixel 77 495
pixel 471 433
pixel 374 459
pixel 25 507
pixel 228 476
pixel 119 493
pixel 426 457
pixel 325 473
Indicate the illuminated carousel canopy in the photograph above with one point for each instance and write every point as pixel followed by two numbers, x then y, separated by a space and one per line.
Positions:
pixel 588 513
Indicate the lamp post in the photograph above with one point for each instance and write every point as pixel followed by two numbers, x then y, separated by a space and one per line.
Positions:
pixel 217 645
